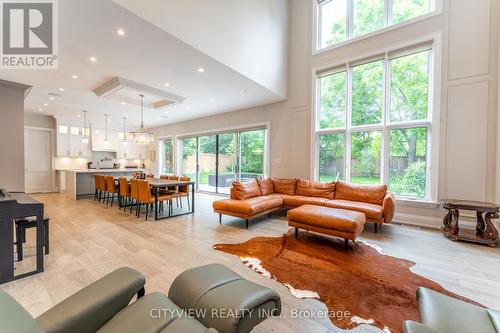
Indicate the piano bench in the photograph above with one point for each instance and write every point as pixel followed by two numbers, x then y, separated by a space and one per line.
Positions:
pixel 22 225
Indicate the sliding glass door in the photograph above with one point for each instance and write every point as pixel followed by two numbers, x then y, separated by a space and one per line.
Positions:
pixel 207 163
pixel 215 161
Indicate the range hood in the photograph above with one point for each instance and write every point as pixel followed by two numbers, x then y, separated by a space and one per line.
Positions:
pixel 123 90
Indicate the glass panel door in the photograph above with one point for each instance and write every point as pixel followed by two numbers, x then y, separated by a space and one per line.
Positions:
pixel 207 163
pixel 227 161
pixel 189 149
pixel 251 154
pixel 168 156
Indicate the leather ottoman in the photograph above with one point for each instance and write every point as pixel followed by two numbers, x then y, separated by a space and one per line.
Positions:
pixel 341 223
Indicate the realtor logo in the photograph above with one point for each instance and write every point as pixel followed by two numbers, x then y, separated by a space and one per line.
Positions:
pixel 29 34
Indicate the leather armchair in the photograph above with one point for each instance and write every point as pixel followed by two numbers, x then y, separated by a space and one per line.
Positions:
pixel 443 314
pixel 84 312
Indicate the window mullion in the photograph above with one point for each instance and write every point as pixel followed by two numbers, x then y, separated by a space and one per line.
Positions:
pixel 350 18
pixel 385 159
pixel 347 138
pixel 387 12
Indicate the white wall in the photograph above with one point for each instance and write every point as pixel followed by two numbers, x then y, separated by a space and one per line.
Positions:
pixel 12 135
pixel 247 36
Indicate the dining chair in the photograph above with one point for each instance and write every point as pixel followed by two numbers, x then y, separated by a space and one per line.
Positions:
pixel 134 195
pixel 102 187
pixel 146 198
pixel 124 195
pixel 111 188
pixel 97 186
pixel 183 191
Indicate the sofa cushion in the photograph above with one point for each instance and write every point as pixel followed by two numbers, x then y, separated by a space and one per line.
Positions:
pixel 250 206
pixel 328 218
pixel 299 200
pixel 370 210
pixel 266 186
pixel 245 190
pixel 151 313
pixel 315 189
pixel 373 194
pixel 284 186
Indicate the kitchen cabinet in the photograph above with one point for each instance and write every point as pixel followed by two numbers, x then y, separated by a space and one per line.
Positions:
pixel 131 151
pixel 71 145
pixel 99 142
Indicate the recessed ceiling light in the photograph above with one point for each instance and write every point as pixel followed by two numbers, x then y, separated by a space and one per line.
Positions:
pixel 212 100
pixel 123 103
pixel 78 115
pixel 166 84
pixel 40 109
pixel 61 89
pixel 93 59
pixel 120 32
pixel 74 76
pixel 51 98
pixel 201 69
pixel 187 107
pixel 45 104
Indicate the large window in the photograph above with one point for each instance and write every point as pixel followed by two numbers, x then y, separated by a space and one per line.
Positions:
pixel 374 121
pixel 340 20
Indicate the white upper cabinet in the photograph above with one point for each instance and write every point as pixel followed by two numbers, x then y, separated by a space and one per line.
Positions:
pixel 99 142
pixel 70 143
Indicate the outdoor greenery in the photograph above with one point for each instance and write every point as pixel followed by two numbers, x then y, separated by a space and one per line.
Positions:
pixel 407 145
pixel 368 16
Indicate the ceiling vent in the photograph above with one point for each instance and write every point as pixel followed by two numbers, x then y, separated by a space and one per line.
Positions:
pixel 125 91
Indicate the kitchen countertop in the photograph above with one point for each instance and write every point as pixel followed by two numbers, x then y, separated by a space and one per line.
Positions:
pixel 105 170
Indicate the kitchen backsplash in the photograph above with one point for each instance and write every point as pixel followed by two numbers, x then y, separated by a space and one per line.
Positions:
pixel 67 163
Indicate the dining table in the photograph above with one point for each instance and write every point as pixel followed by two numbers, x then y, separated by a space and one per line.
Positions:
pixel 157 184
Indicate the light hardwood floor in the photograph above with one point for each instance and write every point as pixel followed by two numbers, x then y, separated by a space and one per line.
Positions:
pixel 89 239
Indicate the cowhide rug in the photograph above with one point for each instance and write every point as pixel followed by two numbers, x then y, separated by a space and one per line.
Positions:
pixel 371 287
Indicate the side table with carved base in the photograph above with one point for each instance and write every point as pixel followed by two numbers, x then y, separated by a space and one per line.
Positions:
pixel 485 232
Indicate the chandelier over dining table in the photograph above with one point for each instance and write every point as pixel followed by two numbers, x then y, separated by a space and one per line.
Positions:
pixel 142 136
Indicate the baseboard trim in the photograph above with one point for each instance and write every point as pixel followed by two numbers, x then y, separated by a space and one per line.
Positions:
pixel 430 222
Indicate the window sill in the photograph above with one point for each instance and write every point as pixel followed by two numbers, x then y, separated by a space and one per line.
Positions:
pixel 417 203
pixel 388 28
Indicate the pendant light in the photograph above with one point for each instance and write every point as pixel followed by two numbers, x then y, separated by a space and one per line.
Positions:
pixel 142 136
pixel 85 138
pixel 106 140
pixel 124 139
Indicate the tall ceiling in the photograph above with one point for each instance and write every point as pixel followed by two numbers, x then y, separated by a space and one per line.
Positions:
pixel 152 56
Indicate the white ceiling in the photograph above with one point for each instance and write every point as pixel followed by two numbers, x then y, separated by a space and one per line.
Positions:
pixel 146 54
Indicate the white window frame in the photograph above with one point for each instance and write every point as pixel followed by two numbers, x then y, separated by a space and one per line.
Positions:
pixel 435 9
pixel 432 122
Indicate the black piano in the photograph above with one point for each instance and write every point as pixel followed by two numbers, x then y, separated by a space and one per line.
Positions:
pixel 14 206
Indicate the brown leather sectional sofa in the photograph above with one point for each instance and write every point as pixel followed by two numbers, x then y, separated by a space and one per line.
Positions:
pixel 259 197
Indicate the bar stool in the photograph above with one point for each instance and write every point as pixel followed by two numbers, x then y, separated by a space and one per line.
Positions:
pixel 27 223
pixel 124 194
pixel 111 188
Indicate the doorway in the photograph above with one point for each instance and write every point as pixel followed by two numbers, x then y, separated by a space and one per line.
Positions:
pixel 37 160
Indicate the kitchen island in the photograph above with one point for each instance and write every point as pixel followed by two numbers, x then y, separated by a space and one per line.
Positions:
pixel 80 183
